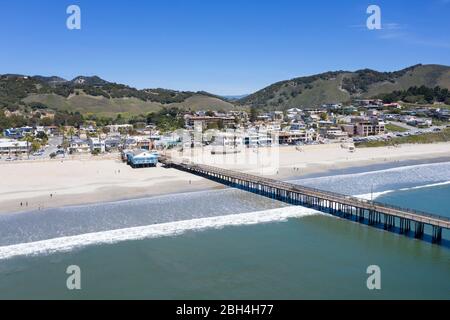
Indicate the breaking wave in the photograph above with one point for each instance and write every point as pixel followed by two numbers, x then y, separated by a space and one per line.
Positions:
pixel 376 195
pixel 397 178
pixel 66 244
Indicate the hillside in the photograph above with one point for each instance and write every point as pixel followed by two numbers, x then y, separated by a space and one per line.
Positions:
pixel 93 95
pixel 342 86
pixel 98 96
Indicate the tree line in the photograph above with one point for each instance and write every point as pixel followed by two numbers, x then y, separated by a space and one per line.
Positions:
pixel 420 94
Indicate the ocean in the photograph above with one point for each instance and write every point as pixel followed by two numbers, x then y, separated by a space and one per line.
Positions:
pixel 229 244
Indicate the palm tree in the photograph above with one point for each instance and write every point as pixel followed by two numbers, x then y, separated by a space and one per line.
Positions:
pixel 16 145
pixel 66 145
pixel 62 131
pixel 71 133
pixel 29 139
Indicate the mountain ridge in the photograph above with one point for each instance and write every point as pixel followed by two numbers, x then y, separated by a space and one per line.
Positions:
pixel 343 86
pixel 92 94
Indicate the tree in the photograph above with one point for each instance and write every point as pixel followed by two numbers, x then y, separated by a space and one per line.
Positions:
pixel 212 126
pixel 29 139
pixel 35 146
pixel 42 136
pixel 66 144
pixel 46 122
pixel 324 116
pixel 254 113
pixel 119 119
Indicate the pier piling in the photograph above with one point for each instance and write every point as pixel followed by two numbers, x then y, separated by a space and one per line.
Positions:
pixel 352 208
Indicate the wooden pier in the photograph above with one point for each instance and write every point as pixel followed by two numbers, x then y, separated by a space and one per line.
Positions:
pixel 392 218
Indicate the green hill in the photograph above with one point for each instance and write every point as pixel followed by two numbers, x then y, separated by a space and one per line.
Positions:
pixel 97 96
pixel 342 86
pixel 93 95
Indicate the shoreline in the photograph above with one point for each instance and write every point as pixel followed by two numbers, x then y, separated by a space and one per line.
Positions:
pixel 377 166
pixel 83 182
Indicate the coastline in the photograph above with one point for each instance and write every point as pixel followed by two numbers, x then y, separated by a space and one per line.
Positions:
pixel 87 181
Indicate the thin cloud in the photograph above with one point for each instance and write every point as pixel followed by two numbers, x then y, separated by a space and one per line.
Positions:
pixel 384 26
pixel 430 42
pixel 392 26
pixel 411 39
pixel 397 31
pixel 391 35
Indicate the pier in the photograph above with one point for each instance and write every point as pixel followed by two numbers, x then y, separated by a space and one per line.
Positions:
pixel 391 218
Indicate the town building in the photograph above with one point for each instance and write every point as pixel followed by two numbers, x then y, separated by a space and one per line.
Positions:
pixel 97 145
pixel 297 137
pixel 79 146
pixel 334 133
pixel 370 128
pixel 207 121
pixel 142 158
pixel 117 128
pixel 17 133
pixel 139 142
pixel 13 147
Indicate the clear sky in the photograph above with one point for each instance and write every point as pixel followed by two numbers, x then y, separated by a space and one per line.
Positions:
pixel 225 47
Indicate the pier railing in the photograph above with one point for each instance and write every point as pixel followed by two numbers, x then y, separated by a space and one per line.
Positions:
pixel 328 201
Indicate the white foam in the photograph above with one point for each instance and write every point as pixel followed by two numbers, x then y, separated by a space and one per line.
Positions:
pixel 439 165
pixel 373 196
pixel 376 195
pixel 65 244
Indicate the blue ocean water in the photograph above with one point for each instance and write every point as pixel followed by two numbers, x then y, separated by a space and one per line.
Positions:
pixel 229 244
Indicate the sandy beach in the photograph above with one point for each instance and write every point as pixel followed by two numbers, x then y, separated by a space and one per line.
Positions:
pixel 286 162
pixel 28 185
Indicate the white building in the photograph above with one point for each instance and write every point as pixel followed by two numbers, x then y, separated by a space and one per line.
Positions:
pixel 228 139
pixel 14 147
pixel 115 128
pixel 78 145
pixel 97 145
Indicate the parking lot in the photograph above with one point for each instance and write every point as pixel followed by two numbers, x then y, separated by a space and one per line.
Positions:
pixel 42 154
pixel 412 131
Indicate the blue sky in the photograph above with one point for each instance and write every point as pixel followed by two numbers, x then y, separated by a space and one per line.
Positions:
pixel 221 46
